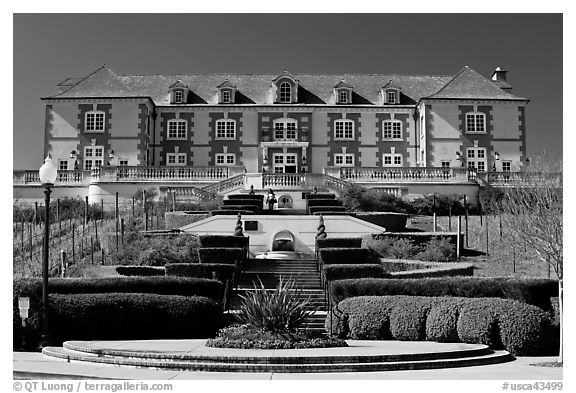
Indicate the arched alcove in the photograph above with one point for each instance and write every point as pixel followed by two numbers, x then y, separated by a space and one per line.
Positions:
pixel 283 241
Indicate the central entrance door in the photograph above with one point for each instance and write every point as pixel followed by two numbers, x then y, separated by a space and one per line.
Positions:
pixel 285 162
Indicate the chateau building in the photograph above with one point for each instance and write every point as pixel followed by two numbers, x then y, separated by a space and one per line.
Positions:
pixel 406 134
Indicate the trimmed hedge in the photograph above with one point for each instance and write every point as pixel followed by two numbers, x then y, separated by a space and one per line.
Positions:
pixel 320 196
pixel 331 213
pixel 238 201
pixel 218 255
pixel 418 238
pixel 346 256
pixel 223 241
pixel 140 270
pixel 394 222
pixel 339 242
pixel 500 323
pixel 231 212
pixel 133 316
pixel 257 197
pixel 324 202
pixel 314 209
pixel 348 271
pixel 251 208
pixel 201 270
pixel 175 220
pixel 532 291
pixel 439 270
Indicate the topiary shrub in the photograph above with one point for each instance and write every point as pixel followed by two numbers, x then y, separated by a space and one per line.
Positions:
pixel 408 318
pixel 346 256
pixel 339 242
pixel 442 321
pixel 222 271
pixel 340 272
pixel 131 316
pixel 139 271
pixel 232 256
pixel 478 322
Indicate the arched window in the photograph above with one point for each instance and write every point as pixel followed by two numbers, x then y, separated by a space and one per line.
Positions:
pixel 392 129
pixel 285 92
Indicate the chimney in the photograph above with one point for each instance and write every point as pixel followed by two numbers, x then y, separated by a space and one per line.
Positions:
pixel 499 75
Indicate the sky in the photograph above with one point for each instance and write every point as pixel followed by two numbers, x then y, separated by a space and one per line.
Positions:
pixel 48 48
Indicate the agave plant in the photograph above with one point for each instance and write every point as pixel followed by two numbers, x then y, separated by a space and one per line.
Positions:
pixel 280 311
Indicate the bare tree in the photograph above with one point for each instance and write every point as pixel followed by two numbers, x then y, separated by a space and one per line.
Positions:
pixel 533 207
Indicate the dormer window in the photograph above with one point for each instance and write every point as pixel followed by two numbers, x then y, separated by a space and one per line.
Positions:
pixel 227 93
pixel 391 93
pixel 178 93
pixel 285 92
pixel 343 93
pixel 343 97
pixel 226 96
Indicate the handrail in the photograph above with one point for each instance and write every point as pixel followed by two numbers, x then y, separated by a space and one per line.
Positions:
pixel 64 177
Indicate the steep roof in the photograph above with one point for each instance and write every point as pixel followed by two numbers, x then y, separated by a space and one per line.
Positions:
pixel 313 88
pixel 468 84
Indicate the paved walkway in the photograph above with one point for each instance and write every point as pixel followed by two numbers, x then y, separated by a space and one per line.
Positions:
pixel 28 365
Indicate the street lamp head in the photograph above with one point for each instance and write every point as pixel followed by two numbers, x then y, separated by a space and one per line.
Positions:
pixel 496 155
pixel 48 172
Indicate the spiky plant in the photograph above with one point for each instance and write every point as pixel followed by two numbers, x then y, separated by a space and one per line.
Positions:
pixel 280 311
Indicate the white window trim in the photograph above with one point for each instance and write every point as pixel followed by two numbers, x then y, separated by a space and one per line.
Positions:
pixel 225 156
pixel 510 165
pixel 475 160
pixel 92 158
pixel 178 100
pixel 392 122
pixel 94 113
pixel 343 93
pixel 283 164
pixel 60 165
pixel 449 164
pixel 344 121
pixel 284 122
pixel 226 97
pixel 344 156
pixel 224 138
pixel 280 95
pixel 392 156
pixel 177 121
pixel 483 115
pixel 121 160
pixel 176 156
pixel 394 93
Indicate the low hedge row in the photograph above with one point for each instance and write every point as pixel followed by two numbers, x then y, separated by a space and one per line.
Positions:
pixel 330 256
pixel 393 222
pixel 537 292
pixel 220 271
pixel 231 212
pixel 134 316
pixel 257 197
pixel 140 270
pixel 349 271
pixel 223 241
pixel 520 328
pixel 331 213
pixel 438 270
pixel 226 255
pixel 314 209
pixel 320 196
pixel 238 201
pixel 175 220
pixel 340 242
pixel 418 238
pixel 250 208
pixel 324 202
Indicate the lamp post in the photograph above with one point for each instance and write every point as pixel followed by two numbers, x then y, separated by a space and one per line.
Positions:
pixel 48 175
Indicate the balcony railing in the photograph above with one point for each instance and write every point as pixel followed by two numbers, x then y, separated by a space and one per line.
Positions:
pixel 65 177
pixel 164 173
pixel 403 175
pixel 292 180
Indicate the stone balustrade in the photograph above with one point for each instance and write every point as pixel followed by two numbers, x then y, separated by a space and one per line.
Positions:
pixel 65 177
pixel 402 174
pixel 292 180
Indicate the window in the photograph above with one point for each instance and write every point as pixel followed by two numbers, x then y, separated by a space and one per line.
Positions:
pixel 225 129
pixel 392 159
pixel 506 166
pixel 93 157
pixel 285 92
pixel 285 130
pixel 225 159
pixel 344 159
pixel 177 129
pixel 445 164
pixel 392 129
pixel 176 159
pixel 343 97
pixel 476 158
pixel 476 122
pixel 226 96
pixel 62 165
pixel 123 162
pixel 391 95
pixel 178 97
pixel 344 129
pixel 94 121
pixel 284 162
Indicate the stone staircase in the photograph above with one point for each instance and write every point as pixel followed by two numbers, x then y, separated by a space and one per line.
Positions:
pixel 303 271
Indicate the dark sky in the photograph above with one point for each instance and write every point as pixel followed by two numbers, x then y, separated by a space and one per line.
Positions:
pixel 50 47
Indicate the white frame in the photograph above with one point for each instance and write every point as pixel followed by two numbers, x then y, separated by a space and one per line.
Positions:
pixel 178 122
pixel 178 96
pixel 393 157
pixel 343 137
pixel 225 122
pixel 283 164
pixel 226 96
pixel 282 91
pixel 445 162
pixel 225 157
pixel 344 157
pixel 93 160
pixel 60 162
pixel 509 163
pixel 177 160
pixel 476 116
pixel 123 162
pixel 473 160
pixel 343 93
pixel 285 122
pixel 391 93
pixel 95 121
pixel 392 123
